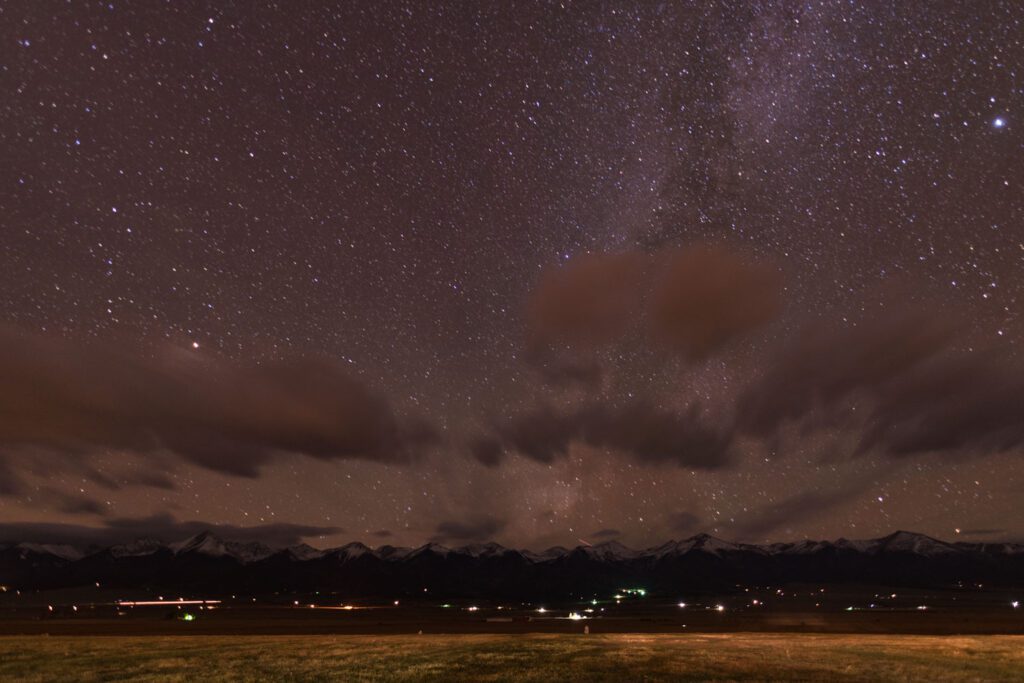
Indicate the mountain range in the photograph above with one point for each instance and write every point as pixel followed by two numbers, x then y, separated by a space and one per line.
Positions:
pixel 701 563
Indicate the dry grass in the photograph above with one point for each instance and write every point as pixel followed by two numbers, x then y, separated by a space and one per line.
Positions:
pixel 739 656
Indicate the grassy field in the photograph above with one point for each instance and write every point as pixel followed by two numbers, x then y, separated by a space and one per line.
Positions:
pixel 500 657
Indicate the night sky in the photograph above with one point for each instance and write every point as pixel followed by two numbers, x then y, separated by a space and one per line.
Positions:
pixel 528 272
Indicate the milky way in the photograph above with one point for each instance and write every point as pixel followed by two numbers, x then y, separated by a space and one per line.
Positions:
pixel 271 263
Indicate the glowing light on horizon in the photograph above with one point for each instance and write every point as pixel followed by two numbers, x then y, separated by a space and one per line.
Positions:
pixel 180 601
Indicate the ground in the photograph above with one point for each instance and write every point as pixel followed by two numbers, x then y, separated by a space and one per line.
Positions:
pixel 534 657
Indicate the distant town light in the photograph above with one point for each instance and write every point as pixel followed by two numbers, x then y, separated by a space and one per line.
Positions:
pixel 147 603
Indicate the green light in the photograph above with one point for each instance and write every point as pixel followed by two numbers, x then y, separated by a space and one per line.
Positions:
pixel 188 617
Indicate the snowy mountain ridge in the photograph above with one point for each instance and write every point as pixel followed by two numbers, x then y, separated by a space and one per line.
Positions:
pixel 209 545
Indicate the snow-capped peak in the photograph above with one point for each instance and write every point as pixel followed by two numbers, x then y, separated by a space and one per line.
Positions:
pixel 482 549
pixel 136 548
pixel 390 552
pixel 919 544
pixel 546 555
pixel 206 543
pixel 349 550
pixel 707 544
pixel 805 547
pixel 252 551
pixel 857 546
pixel 304 552
pixel 434 548
pixel 609 550
pixel 65 552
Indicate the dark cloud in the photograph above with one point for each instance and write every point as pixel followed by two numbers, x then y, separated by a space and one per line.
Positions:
pixel 137 476
pixel 964 405
pixel 590 300
pixel 224 417
pixel 42 463
pixel 487 450
pixel 156 480
pixel 704 297
pixel 824 367
pixel 10 483
pixel 605 533
pixel 683 522
pixel 797 509
pixel 72 503
pixel 382 533
pixel 901 381
pixel 91 473
pixel 161 527
pixel 693 300
pixel 482 529
pixel 638 429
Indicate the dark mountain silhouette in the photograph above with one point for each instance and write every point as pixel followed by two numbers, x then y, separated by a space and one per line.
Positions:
pixel 701 563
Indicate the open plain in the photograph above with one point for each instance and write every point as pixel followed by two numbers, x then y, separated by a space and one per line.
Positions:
pixel 528 657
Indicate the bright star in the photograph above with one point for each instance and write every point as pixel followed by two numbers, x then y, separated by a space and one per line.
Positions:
pixel 999 122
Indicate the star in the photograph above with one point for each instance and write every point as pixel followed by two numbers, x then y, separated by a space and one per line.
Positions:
pixel 419 174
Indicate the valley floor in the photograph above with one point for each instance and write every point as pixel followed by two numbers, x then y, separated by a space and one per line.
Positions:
pixel 534 657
